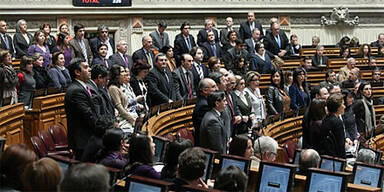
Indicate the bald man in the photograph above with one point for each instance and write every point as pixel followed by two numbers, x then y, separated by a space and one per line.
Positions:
pixel 308 158
pixel 120 57
pixel 145 52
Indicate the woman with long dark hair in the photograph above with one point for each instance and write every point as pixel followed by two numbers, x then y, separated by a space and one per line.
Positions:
pixel 50 40
pixel 141 152
pixel 277 98
pixel 298 92
pixel 63 46
pixel 117 77
pixel 364 51
pixel 174 149
pixel 111 154
pixel 349 121
pixel 241 145
pixel 364 111
pixel 312 120
pixel 168 51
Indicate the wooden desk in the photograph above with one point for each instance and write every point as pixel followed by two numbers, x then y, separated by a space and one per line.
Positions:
pixel 46 111
pixel 11 123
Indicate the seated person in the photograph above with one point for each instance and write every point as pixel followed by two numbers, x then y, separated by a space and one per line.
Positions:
pixel 86 177
pixel 141 152
pixel 42 175
pixel 191 167
pixel 366 156
pixel 111 155
pixel 308 158
pixel 319 59
pixel 293 48
pixel 376 78
pixel 265 149
pixel 330 79
pixel 231 179
pixel 174 149
pixel 353 78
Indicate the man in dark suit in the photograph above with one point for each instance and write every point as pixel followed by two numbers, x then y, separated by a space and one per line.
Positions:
pixel 183 42
pixel 212 129
pixel 276 42
pixel 161 86
pixel 224 32
pixel 159 37
pixel 234 54
pixel 79 107
pixel 379 42
pixel 211 47
pixel 101 57
pixel 102 38
pixel 80 45
pixel 319 59
pixel 251 42
pixel 184 77
pixel 206 86
pixel 293 48
pixel 120 57
pixel 247 27
pixel 199 70
pixel 6 40
pixel 145 53
pixel 202 36
pixel 98 82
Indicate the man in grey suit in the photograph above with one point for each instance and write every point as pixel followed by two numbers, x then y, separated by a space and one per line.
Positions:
pixel 224 32
pixel 120 57
pixel 212 129
pixel 184 77
pixel 159 37
pixel 251 42
pixel 80 45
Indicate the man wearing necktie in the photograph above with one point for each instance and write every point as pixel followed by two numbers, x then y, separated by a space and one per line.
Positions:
pixel 120 57
pixel 184 77
pixel 224 32
pixel 161 86
pixel 184 42
pixel 276 42
pixel 6 40
pixel 251 42
pixel 159 36
pixel 211 48
pixel 202 36
pixel 247 27
pixel 145 52
pixel 101 57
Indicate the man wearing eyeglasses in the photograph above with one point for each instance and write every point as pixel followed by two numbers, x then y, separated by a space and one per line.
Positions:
pixel 184 42
pixel 161 86
pixel 102 38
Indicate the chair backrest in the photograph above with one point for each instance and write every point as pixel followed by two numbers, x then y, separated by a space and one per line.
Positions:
pixel 186 134
pixel 47 140
pixel 39 146
pixel 58 134
pixel 290 146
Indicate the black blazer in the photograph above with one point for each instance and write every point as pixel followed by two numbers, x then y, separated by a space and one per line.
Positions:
pixel 140 54
pixel 180 46
pixel 159 89
pixel 10 44
pixel 208 51
pixel 332 137
pixel 274 101
pixel 271 44
pixel 182 83
pixel 202 36
pixel 196 77
pixel 201 108
pixel 96 41
pixel 316 61
pixel 21 45
pixel 81 116
pixel 116 59
pixel 245 30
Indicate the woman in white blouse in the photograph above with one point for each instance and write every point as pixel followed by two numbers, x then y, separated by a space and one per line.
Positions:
pixel 253 81
pixel 132 105
pixel 244 103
